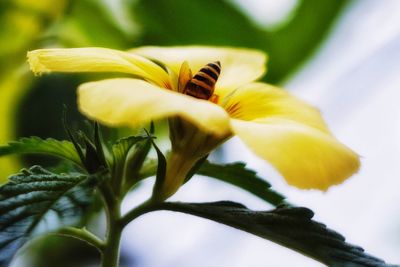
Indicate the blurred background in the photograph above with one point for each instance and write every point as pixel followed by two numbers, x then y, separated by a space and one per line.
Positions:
pixel 341 56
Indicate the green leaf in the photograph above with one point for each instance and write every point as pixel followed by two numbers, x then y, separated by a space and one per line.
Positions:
pixel 98 143
pixel 292 227
pixel 195 168
pixel 120 151
pixel 161 170
pixel 148 169
pixel 37 201
pixel 75 143
pixel 36 145
pixel 93 159
pixel 237 174
pixel 136 161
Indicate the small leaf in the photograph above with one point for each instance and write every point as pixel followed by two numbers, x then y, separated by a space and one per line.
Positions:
pixel 292 227
pixel 94 160
pixel 152 128
pixel 120 151
pixel 195 168
pixel 37 201
pixel 36 145
pixel 75 143
pixel 237 174
pixel 135 163
pixel 161 170
pixel 98 142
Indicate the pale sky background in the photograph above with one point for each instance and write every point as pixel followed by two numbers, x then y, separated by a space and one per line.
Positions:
pixel 355 81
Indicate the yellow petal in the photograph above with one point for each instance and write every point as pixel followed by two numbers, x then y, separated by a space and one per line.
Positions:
pixel 133 102
pixel 259 101
pixel 95 59
pixel 306 157
pixel 239 65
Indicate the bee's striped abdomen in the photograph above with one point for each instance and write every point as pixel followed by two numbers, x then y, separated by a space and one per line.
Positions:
pixel 203 83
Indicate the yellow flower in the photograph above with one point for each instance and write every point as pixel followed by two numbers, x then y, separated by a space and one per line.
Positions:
pixel 285 131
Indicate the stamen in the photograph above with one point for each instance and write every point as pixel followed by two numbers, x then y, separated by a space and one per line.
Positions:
pixel 202 85
pixel 214 98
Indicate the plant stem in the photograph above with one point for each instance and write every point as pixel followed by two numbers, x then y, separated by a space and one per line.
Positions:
pixel 110 255
pixel 145 207
pixel 84 235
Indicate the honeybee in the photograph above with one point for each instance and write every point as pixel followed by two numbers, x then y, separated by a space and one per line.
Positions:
pixel 203 83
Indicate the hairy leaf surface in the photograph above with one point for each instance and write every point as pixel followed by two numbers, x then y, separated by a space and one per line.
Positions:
pixel 37 145
pixel 292 227
pixel 37 201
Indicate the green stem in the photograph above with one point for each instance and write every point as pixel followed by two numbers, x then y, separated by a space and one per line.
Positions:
pixel 112 205
pixel 110 256
pixel 109 197
pixel 84 235
pixel 145 207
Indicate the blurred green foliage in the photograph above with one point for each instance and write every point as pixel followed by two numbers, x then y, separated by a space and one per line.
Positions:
pixel 21 24
pixel 90 23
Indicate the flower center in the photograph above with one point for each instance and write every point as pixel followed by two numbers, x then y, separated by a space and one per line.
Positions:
pixel 202 85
